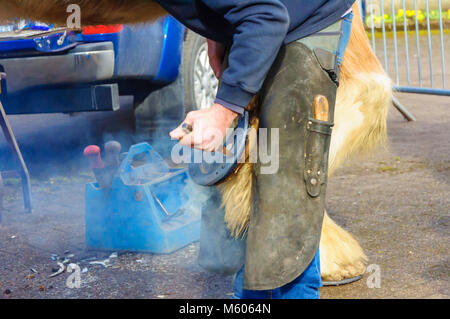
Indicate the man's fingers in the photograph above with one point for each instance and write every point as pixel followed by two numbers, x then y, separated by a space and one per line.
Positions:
pixel 177 133
pixel 205 129
pixel 198 141
pixel 187 140
pixel 187 128
pixel 184 128
pixel 194 138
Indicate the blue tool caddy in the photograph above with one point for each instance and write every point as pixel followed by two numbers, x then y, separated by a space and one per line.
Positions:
pixel 149 208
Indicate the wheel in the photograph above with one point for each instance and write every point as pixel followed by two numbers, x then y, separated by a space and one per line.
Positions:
pixel 200 82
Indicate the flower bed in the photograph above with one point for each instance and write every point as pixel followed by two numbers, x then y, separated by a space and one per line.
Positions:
pixel 410 20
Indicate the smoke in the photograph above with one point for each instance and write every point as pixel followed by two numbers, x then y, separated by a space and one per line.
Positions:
pixel 219 251
pixel 52 146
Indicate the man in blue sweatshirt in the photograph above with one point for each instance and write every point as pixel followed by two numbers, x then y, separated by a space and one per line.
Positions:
pixel 287 52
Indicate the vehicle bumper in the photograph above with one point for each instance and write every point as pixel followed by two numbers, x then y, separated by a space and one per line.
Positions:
pixel 101 97
pixel 86 63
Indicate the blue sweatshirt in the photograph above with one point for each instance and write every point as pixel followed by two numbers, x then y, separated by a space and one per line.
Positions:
pixel 254 30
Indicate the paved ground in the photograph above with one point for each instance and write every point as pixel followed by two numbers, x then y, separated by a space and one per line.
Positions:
pixel 396 203
pixel 52 146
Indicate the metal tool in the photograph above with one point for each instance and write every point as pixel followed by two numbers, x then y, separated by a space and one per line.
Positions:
pixel 61 269
pixel 321 108
pixel 112 153
pixel 102 174
pixel 206 173
pixel 10 138
pixel 92 153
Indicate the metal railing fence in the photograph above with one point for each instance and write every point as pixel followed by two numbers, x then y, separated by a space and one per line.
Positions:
pixel 408 33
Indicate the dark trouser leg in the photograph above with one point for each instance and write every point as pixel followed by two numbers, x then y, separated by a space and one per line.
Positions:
pixel 288 208
pixel 306 286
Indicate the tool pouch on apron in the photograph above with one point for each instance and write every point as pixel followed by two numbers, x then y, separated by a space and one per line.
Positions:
pixel 316 155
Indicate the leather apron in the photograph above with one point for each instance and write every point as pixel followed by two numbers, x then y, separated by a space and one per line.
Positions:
pixel 288 206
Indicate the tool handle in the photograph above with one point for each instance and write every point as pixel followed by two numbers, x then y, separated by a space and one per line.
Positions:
pixel 92 152
pixel 321 108
pixel 112 152
pixel 187 128
pixel 113 147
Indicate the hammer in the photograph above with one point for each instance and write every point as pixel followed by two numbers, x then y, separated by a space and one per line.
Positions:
pixel 112 152
pixel 92 153
pixel 321 108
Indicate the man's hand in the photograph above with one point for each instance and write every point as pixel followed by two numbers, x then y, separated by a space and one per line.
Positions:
pixel 216 53
pixel 209 128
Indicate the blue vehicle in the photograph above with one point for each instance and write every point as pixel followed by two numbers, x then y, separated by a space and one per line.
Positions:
pixel 57 70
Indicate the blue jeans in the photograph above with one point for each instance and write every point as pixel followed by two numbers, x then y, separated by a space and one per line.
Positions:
pixel 306 286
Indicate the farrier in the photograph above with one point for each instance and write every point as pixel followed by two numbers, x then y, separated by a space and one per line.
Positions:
pixel 287 52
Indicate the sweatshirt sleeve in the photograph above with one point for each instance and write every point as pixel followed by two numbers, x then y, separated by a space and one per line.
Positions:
pixel 260 27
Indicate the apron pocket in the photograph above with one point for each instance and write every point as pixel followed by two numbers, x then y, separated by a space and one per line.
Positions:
pixel 316 155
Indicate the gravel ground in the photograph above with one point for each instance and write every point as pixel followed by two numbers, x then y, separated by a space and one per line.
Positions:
pixel 395 202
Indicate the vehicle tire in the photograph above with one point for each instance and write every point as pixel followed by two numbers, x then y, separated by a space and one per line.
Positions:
pixel 195 88
pixel 200 82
